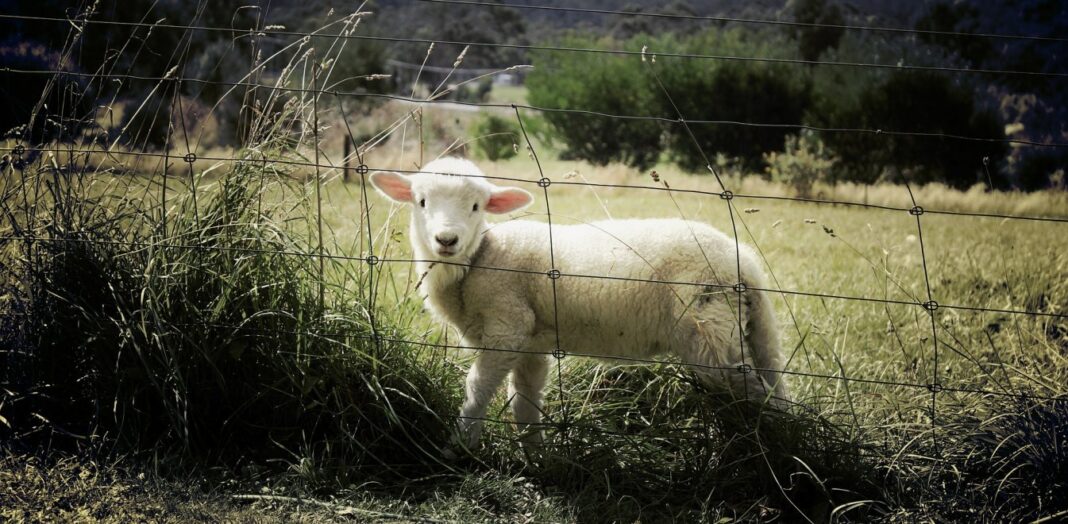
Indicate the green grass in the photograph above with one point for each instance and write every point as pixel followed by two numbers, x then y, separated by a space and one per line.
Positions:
pixel 302 393
pixel 886 430
pixel 502 94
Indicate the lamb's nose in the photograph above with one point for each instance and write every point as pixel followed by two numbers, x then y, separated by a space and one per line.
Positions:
pixel 447 240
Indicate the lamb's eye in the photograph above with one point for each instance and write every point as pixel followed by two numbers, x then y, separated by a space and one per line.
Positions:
pixel 422 202
pixel 475 207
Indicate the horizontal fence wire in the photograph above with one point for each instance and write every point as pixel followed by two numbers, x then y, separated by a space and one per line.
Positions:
pixel 253 32
pixel 372 260
pixel 192 157
pixel 377 337
pixel 380 338
pixel 753 21
pixel 446 102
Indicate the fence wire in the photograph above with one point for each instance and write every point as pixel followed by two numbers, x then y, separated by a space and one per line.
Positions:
pixel 375 260
pixel 255 32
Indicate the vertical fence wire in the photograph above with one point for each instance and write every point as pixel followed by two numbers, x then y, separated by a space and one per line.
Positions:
pixel 739 287
pixel 558 352
pixel 318 183
pixel 727 196
pixel 190 157
pixel 930 306
pixel 370 259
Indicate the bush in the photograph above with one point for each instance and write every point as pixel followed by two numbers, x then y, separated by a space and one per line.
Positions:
pixel 921 102
pixel 731 91
pixel 496 138
pixel 1038 170
pixel 803 161
pixel 198 326
pixel 592 82
pixel 63 103
pixel 219 350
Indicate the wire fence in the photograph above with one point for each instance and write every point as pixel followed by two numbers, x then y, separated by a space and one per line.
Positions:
pixel 325 97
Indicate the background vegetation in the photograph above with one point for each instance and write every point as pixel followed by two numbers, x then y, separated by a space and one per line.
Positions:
pixel 218 320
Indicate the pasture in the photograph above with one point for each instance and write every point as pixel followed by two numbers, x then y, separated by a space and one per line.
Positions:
pixel 867 438
pixel 207 313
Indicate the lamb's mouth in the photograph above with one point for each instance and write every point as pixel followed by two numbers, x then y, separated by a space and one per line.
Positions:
pixel 446 252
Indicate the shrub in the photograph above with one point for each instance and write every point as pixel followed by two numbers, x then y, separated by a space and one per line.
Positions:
pixel 60 105
pixel 803 161
pixel 207 341
pixel 812 41
pixel 496 138
pixel 197 325
pixel 592 82
pixel 1038 170
pixel 922 102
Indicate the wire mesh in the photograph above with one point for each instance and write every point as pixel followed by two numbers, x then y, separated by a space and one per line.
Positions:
pixel 376 259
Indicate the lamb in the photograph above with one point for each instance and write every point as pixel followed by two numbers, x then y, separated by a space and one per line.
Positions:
pixel 624 315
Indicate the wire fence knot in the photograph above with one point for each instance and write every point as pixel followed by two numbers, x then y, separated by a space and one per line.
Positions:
pixel 727 195
pixel 930 305
pixel 190 157
pixel 741 287
pixel 744 369
pixel 553 273
pixel 362 169
pixel 916 211
pixel 371 260
pixel 19 150
pixel 559 354
pixel 544 182
pixel 935 387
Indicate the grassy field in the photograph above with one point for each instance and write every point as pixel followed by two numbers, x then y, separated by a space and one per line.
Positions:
pixel 641 443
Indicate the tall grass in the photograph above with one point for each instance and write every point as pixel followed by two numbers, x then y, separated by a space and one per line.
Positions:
pixel 198 322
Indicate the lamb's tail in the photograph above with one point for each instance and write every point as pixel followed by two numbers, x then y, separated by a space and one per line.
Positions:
pixel 765 346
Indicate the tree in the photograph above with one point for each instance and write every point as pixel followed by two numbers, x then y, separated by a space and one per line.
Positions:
pixel 920 102
pixel 813 41
pixel 733 92
pixel 612 85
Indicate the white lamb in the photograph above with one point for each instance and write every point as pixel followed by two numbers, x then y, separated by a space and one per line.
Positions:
pixel 619 316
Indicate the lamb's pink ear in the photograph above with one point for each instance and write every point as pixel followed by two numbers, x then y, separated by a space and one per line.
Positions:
pixel 394 185
pixel 508 199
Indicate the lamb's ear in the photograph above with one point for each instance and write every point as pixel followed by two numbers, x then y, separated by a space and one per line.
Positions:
pixel 394 185
pixel 508 199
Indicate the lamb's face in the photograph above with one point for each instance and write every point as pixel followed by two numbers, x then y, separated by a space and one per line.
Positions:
pixel 448 214
pixel 448 211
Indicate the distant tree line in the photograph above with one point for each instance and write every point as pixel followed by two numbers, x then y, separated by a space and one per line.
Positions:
pixel 912 115
pixel 759 95
pixel 119 63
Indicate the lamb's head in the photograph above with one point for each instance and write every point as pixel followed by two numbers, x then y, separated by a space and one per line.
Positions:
pixel 449 200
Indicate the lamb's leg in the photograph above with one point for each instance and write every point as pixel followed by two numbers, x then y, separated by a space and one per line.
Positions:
pixel 483 380
pixel 526 394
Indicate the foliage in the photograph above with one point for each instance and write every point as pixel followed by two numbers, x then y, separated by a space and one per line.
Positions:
pixel 496 138
pixel 957 17
pixel 803 161
pixel 920 102
pixel 58 104
pixel 205 350
pixel 195 325
pixel 1038 170
pixel 762 93
pixel 597 83
pixel 813 41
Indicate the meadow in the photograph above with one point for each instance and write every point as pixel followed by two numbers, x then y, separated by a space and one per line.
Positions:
pixel 197 333
pixel 362 384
